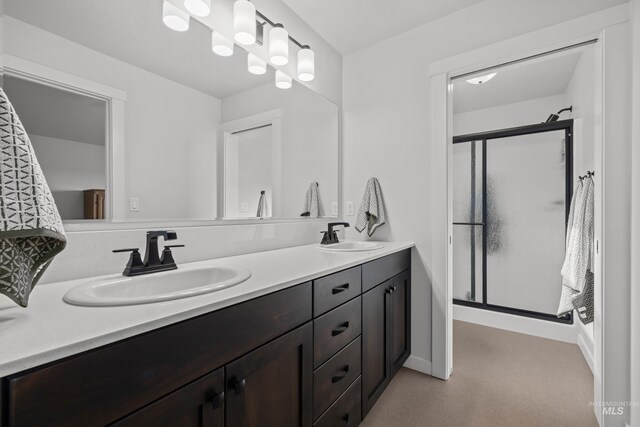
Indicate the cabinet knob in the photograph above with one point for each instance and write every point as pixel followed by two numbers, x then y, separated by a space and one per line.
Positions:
pixel 341 375
pixel 340 329
pixel 217 400
pixel 238 386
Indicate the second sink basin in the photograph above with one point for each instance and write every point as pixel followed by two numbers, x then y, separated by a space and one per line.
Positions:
pixel 351 246
pixel 182 283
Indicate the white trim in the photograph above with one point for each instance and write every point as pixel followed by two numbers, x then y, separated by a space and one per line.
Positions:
pixel 42 74
pixel 418 364
pixel 587 352
pixel 523 325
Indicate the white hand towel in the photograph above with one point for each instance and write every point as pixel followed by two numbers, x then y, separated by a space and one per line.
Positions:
pixel 579 245
pixel 371 214
pixel 313 206
pixel 263 207
pixel 31 231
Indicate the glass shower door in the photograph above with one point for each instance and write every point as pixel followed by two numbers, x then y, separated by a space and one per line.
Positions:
pixel 510 192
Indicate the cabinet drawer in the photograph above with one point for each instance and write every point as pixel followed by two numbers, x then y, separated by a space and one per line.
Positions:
pixel 106 384
pixel 200 403
pixel 333 378
pixel 335 289
pixel 345 412
pixel 336 329
pixel 376 272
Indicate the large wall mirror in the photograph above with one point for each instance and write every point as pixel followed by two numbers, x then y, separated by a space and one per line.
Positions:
pixel 133 122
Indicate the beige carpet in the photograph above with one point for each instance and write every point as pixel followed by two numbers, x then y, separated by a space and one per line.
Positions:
pixel 500 378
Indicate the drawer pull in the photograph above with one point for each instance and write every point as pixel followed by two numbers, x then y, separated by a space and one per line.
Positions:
pixel 238 386
pixel 346 420
pixel 217 400
pixel 340 376
pixel 340 288
pixel 340 329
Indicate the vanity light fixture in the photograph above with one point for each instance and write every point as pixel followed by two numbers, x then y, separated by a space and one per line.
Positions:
pixel 198 7
pixel 278 45
pixel 306 64
pixel 283 81
pixel 256 65
pixel 244 22
pixel 221 45
pixel 175 18
pixel 481 79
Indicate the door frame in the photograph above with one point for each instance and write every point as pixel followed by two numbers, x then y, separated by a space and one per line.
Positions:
pixel 611 344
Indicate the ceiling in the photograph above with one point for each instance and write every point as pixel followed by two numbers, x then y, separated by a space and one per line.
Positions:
pixel 132 31
pixel 520 82
pixel 349 25
pixel 56 113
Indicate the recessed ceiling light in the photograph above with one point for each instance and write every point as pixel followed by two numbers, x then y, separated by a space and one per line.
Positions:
pixel 481 79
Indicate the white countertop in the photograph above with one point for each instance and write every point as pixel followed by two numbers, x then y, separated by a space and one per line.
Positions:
pixel 50 329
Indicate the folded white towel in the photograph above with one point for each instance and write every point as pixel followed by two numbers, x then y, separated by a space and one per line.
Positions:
pixel 31 231
pixel 371 214
pixel 313 206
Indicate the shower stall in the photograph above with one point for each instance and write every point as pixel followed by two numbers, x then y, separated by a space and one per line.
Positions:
pixel 511 195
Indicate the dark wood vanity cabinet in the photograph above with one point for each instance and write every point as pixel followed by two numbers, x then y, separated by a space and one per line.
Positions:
pixel 386 334
pixel 315 354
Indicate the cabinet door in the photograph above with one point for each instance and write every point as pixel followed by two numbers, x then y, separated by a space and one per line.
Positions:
pixel 199 404
pixel 272 386
pixel 375 343
pixel 400 320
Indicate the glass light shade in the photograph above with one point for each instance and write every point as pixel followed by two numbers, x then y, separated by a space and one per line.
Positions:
pixel 174 18
pixel 481 79
pixel 283 81
pixel 306 64
pixel 256 65
pixel 198 7
pixel 221 45
pixel 244 22
pixel 278 46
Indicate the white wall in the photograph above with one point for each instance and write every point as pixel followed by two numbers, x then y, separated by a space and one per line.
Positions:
pixel 522 113
pixel 169 128
pixel 70 167
pixel 635 213
pixel 386 103
pixel 309 141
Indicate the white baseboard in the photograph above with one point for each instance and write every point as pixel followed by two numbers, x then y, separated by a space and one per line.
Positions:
pixel 513 323
pixel 587 352
pixel 418 364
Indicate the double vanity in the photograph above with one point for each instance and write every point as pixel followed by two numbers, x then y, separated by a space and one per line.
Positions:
pixel 311 337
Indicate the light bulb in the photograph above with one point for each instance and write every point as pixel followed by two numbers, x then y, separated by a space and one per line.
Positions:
pixel 283 81
pixel 221 45
pixel 174 18
pixel 244 22
pixel 198 7
pixel 256 65
pixel 306 64
pixel 278 45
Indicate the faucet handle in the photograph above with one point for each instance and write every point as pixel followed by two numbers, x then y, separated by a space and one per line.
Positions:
pixel 135 260
pixel 167 256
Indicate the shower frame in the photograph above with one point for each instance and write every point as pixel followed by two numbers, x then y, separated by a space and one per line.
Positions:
pixel 483 137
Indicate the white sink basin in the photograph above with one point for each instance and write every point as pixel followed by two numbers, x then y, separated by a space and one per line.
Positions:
pixel 155 287
pixel 351 247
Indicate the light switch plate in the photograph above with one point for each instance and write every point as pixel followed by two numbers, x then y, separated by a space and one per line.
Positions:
pixel 134 204
pixel 349 208
pixel 334 208
pixel 244 207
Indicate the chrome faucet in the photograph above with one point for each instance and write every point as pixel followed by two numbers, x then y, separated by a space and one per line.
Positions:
pixel 153 261
pixel 330 236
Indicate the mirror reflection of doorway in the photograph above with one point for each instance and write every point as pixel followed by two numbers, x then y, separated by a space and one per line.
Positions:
pixel 248 172
pixel 68 132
